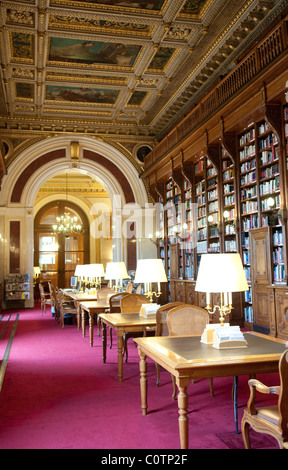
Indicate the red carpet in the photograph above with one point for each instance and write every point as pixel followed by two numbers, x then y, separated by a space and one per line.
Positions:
pixel 58 394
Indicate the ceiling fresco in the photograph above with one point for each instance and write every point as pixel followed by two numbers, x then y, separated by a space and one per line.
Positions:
pixel 117 67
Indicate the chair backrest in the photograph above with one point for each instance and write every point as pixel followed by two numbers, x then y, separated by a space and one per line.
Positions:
pixel 114 302
pixel 68 307
pixel 187 319
pixel 132 303
pixel 60 299
pixel 129 288
pixel 161 318
pixel 54 295
pixel 41 290
pixel 283 396
pixel 50 285
pixel 102 294
pixel 138 289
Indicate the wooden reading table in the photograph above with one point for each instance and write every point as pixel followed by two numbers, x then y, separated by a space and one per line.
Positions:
pixel 79 297
pixel 92 308
pixel 186 358
pixel 122 323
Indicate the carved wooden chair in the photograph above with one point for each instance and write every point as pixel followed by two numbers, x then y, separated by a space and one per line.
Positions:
pixel 138 289
pixel 45 298
pixel 129 288
pixel 102 294
pixel 185 320
pixel 273 419
pixel 66 308
pixel 132 303
pixel 115 307
pixel 54 301
pixel 162 327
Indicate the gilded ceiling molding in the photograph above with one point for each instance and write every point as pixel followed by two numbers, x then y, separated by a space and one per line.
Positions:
pixel 247 8
pixel 168 59
pixel 112 8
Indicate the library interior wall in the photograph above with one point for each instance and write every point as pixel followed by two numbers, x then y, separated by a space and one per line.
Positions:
pixel 243 146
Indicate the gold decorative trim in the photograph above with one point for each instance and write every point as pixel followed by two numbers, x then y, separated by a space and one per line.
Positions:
pixel 203 59
pixel 112 8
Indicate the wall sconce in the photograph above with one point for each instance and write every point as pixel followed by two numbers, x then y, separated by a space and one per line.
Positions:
pixel 213 220
pixel 155 240
pixel 183 236
pixel 230 223
pixel 222 274
pixel 149 271
pixel 273 216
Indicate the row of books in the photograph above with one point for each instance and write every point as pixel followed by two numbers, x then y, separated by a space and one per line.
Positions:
pixel 248 166
pixel 248 193
pixel 279 273
pixel 248 314
pixel 248 178
pixel 214 247
pixel 270 186
pixel 248 137
pixel 229 200
pixel 249 222
pixel 249 206
pixel 270 171
pixel 268 156
pixel 247 151
pixel 270 140
pixel 278 255
pixel 228 174
pixel 230 246
pixel 230 228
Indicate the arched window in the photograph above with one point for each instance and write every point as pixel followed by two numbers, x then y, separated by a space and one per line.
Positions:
pixel 58 254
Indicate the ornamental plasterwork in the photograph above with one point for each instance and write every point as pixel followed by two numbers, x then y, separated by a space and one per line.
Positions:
pixel 20 17
pixel 179 49
pixel 108 26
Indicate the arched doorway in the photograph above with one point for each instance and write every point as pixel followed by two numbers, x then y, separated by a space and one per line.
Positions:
pixel 42 161
pixel 58 254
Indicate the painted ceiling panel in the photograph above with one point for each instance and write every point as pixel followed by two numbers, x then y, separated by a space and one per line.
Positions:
pixel 120 67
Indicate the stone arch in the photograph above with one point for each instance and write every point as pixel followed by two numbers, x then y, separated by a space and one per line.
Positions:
pixel 48 157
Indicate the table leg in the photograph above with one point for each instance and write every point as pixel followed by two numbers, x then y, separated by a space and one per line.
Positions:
pixel 120 333
pixel 235 399
pixel 91 321
pixel 104 341
pixel 143 381
pixel 83 321
pixel 183 411
pixel 78 317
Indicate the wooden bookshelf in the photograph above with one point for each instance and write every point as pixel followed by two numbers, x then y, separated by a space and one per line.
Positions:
pixel 233 189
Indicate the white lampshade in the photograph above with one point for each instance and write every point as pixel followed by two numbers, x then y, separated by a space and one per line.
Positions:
pixel 150 270
pixel 116 270
pixel 36 270
pixel 96 270
pixel 221 273
pixel 79 270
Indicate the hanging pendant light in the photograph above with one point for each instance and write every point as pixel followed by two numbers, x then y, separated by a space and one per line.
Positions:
pixel 66 223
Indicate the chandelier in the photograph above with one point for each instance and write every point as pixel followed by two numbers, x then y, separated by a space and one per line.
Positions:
pixel 65 223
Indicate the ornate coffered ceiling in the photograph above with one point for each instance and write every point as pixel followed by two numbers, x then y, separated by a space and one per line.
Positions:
pixel 116 68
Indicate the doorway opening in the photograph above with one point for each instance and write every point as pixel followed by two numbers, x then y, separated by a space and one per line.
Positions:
pixel 57 254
